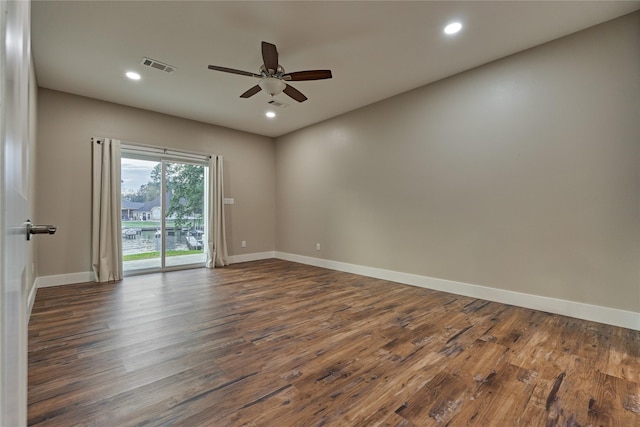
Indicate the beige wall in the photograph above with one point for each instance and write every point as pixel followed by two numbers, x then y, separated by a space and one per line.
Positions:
pixel 523 174
pixel 66 124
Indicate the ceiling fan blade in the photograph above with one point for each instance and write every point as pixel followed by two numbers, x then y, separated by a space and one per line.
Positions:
pixel 233 71
pixel 251 92
pixel 294 93
pixel 270 56
pixel 308 75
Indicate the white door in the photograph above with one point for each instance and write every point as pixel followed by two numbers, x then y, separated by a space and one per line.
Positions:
pixel 15 59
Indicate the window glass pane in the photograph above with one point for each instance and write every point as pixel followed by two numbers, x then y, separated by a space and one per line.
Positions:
pixel 184 213
pixel 141 214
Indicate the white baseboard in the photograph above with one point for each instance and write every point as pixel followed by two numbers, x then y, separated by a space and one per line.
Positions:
pixel 31 298
pixel 235 259
pixel 596 313
pixel 82 277
pixel 64 279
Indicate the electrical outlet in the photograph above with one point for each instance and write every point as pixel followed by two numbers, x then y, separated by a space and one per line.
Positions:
pixel 244 243
pixel 317 246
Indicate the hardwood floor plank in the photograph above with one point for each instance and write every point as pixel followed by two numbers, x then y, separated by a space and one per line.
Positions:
pixel 275 343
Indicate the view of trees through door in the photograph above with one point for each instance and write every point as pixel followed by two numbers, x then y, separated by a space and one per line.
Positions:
pixel 162 213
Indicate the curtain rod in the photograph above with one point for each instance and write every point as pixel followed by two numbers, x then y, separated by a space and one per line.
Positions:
pixel 155 149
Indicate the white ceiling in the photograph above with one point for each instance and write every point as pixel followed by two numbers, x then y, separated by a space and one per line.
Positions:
pixel 374 49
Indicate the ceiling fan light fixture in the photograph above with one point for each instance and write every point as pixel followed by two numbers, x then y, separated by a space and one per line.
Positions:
pixel 272 86
pixel 270 114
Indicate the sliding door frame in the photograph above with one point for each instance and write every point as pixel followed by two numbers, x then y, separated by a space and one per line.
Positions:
pixel 164 156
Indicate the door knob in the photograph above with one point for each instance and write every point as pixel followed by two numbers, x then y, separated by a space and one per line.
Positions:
pixel 39 229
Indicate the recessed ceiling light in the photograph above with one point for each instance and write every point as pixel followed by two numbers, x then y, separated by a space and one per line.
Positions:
pixel 453 28
pixel 133 76
pixel 270 114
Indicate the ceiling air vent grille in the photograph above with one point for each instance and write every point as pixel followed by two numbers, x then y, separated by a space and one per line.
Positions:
pixel 277 103
pixel 158 65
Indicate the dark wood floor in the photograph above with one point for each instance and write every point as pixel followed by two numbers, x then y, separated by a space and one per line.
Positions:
pixel 273 343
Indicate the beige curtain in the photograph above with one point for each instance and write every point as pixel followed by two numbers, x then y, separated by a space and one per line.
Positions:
pixel 106 241
pixel 216 237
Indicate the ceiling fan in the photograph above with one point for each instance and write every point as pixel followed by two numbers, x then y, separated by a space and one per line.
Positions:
pixel 272 75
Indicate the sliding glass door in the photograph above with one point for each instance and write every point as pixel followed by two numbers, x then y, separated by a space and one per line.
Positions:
pixel 184 214
pixel 163 202
pixel 141 187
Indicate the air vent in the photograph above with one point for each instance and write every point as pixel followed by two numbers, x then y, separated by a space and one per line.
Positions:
pixel 158 65
pixel 277 103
